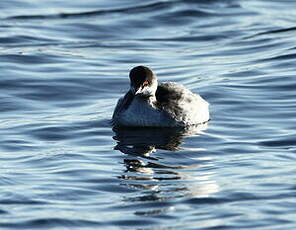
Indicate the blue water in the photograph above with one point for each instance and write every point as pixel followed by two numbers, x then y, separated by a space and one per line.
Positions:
pixel 64 64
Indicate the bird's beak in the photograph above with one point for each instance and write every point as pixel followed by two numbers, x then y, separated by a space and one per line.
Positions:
pixel 135 91
pixel 138 91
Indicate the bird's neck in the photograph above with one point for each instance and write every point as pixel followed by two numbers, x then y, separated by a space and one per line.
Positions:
pixel 151 100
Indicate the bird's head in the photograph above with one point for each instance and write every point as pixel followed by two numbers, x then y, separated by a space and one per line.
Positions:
pixel 143 81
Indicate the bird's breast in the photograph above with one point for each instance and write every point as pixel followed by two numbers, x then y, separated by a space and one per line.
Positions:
pixel 141 113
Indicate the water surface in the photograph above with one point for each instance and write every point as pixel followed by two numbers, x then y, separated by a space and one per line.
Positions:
pixel 64 64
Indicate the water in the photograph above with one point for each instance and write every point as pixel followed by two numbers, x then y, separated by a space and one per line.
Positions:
pixel 63 66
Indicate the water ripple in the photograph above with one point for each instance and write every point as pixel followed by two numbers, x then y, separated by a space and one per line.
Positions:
pixel 65 64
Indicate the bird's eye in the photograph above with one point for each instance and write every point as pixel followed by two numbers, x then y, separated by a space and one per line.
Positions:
pixel 145 83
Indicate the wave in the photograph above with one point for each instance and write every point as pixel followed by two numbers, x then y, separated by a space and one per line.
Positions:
pixel 151 7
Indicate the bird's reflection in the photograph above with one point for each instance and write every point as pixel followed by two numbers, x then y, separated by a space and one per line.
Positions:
pixel 158 174
pixel 144 141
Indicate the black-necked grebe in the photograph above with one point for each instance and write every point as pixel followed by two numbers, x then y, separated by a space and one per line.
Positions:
pixel 149 104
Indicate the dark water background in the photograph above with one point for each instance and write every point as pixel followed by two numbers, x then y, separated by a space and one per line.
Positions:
pixel 64 64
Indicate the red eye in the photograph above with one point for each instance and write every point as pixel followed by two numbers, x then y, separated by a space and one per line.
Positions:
pixel 145 83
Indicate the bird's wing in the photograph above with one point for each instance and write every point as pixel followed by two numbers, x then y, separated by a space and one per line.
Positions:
pixel 176 100
pixel 169 95
pixel 169 92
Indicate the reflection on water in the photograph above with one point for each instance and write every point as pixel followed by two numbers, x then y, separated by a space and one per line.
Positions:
pixel 161 181
pixel 143 141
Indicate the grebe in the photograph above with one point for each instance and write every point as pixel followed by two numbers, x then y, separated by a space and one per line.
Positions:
pixel 152 104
